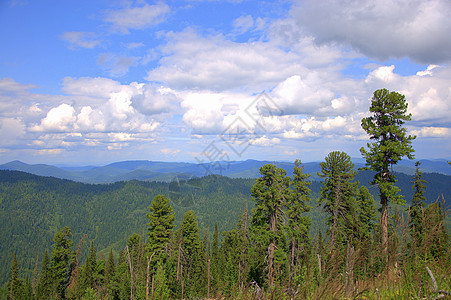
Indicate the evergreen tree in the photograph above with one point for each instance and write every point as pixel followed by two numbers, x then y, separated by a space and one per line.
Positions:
pixel 161 291
pixel 194 269
pixel 298 224
pixel 90 268
pixel 366 213
pixel 417 206
pixel 389 144
pixel 61 260
pixel 338 193
pixel 45 285
pixel 160 227
pixel 271 192
pixel 15 283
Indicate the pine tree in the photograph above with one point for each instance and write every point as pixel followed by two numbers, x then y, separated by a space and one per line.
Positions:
pixel 45 285
pixel 338 193
pixel 298 224
pixel 389 144
pixel 15 283
pixel 161 291
pixel 89 270
pixel 416 223
pixel 271 192
pixel 194 268
pixel 61 260
pixel 160 227
pixel 366 213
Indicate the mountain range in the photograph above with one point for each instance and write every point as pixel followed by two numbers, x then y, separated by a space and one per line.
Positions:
pixel 145 170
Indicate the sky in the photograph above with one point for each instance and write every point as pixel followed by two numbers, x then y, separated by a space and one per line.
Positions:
pixel 94 82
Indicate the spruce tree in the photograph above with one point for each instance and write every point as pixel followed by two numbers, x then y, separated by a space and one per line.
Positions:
pixel 45 285
pixel 161 291
pixel 160 227
pixel 15 283
pixel 193 261
pixel 390 143
pixel 271 192
pixel 298 224
pixel 416 224
pixel 338 195
pixel 366 211
pixel 61 260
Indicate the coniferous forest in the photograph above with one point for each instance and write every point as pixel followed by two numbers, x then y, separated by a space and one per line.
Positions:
pixel 274 237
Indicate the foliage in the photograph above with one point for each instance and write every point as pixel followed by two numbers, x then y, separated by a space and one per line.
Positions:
pixel 390 143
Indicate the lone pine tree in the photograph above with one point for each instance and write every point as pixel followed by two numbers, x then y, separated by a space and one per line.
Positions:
pixel 389 143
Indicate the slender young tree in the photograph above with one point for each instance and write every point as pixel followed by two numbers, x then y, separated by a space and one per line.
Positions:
pixel 389 143
pixel 44 289
pixel 417 205
pixel 298 224
pixel 366 211
pixel 338 193
pixel 15 283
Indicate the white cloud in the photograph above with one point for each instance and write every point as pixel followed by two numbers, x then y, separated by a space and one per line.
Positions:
pixel 58 119
pixel 382 74
pixel 91 87
pixel 137 17
pixel 170 151
pixel 214 63
pixel 428 71
pixel 382 29
pixel 81 39
pixel 440 132
pixel 10 130
pixel 152 100
pixel 203 111
pixel 264 141
pixel 116 65
pixel 243 23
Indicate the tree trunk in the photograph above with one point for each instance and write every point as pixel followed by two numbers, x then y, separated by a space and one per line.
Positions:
pixel 272 249
pixel 384 226
pixel 131 272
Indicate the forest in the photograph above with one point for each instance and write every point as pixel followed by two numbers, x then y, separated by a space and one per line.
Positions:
pixel 351 235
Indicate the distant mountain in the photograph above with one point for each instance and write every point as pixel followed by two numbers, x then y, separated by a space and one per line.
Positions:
pixel 145 170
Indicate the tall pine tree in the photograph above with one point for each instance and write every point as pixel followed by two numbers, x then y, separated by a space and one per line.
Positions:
pixel 389 143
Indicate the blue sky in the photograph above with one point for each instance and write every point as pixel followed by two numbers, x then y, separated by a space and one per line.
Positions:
pixel 93 82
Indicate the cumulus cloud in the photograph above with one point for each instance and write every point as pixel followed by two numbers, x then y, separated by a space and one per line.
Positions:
pixel 382 29
pixel 152 100
pixel 137 17
pixel 58 119
pixel 81 39
pixel 215 63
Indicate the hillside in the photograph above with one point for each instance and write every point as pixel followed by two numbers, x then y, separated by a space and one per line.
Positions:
pixel 33 208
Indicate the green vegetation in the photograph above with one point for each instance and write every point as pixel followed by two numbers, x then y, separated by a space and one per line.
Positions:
pixel 163 240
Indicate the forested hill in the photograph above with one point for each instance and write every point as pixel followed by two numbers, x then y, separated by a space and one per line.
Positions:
pixel 33 208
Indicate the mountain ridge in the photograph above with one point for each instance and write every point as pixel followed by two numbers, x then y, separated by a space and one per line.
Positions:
pixel 147 170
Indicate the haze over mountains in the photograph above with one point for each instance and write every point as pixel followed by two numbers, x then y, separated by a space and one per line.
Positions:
pixel 166 171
